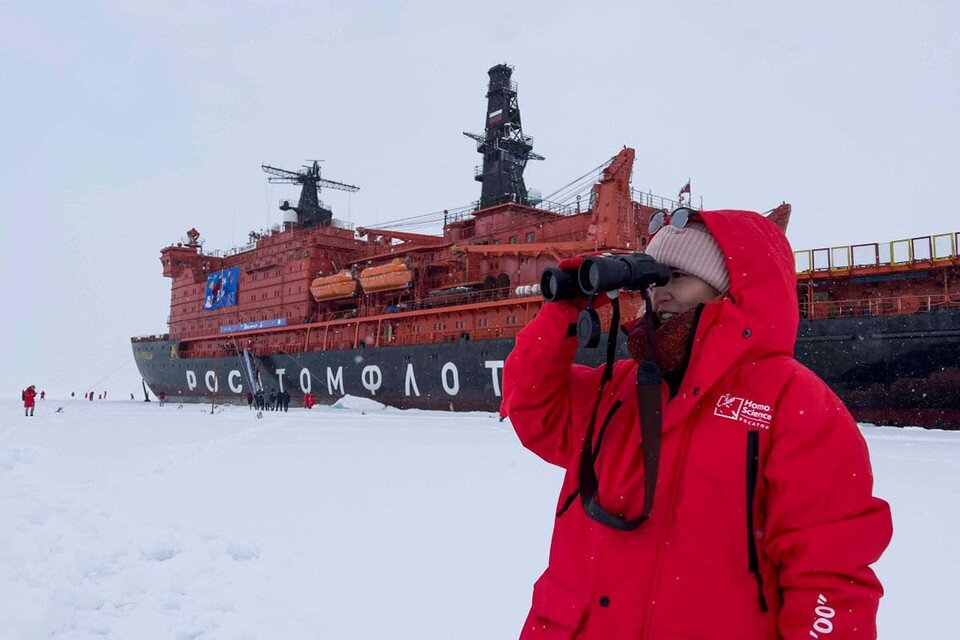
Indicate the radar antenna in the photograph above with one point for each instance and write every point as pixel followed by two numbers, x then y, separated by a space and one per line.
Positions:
pixel 310 210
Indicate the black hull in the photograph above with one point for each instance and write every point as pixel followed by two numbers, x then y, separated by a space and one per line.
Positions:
pixel 902 370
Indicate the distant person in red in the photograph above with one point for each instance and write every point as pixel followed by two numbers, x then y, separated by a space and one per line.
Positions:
pixel 162 397
pixel 249 400
pixel 29 396
pixel 43 395
pixel 308 400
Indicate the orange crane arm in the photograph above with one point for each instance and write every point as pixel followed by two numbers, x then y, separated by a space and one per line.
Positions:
pixel 398 235
pixel 528 249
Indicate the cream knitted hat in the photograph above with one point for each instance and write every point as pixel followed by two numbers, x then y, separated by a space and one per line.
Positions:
pixel 694 251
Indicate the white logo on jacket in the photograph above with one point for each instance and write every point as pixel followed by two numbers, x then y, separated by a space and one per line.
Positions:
pixel 750 413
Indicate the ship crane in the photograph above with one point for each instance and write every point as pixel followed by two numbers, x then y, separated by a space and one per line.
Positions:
pixel 310 210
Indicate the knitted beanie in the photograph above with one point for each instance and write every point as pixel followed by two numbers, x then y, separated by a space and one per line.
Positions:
pixel 694 251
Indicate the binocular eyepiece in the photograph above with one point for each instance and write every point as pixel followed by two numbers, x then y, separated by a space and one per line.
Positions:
pixel 599 274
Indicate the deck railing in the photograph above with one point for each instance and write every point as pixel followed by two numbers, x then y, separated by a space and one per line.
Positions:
pixel 937 248
pixel 887 306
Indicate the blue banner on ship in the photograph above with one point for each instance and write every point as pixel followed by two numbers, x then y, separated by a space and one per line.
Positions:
pixel 260 324
pixel 221 289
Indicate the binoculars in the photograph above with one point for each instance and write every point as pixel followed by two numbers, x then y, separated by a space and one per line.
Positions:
pixel 600 274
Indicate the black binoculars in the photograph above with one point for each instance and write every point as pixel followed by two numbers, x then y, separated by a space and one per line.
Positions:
pixel 597 275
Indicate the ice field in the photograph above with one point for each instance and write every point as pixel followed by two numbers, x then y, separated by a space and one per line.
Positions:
pixel 122 519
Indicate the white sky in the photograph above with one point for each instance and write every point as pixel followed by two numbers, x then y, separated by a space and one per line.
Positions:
pixel 122 125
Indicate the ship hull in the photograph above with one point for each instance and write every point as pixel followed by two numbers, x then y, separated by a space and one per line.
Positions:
pixel 900 370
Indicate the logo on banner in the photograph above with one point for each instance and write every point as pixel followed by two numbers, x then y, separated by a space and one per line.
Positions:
pixel 750 413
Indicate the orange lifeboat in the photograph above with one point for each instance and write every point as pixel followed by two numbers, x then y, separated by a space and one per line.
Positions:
pixel 394 275
pixel 340 285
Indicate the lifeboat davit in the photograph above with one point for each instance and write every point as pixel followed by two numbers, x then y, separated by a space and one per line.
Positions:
pixel 339 285
pixel 387 277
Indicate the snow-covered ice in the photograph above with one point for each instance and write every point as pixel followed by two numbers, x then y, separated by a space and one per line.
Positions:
pixel 127 520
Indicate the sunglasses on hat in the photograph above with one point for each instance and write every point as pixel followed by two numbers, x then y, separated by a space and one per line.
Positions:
pixel 678 218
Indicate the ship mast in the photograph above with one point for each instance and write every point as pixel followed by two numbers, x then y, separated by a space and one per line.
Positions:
pixel 505 148
pixel 310 210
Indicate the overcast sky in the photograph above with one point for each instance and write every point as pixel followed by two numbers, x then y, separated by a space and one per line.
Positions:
pixel 124 124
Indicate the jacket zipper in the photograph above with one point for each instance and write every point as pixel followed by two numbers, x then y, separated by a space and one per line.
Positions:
pixel 753 559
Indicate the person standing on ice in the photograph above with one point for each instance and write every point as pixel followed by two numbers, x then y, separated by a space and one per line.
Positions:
pixel 43 395
pixel 162 397
pixel 29 396
pixel 249 400
pixel 725 491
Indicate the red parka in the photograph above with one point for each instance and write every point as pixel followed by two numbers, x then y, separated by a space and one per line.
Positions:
pixel 792 562
pixel 29 397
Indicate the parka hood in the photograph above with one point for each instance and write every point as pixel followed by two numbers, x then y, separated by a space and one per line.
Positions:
pixel 763 282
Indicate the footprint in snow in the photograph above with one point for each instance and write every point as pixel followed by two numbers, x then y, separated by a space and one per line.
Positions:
pixel 242 552
pixel 161 552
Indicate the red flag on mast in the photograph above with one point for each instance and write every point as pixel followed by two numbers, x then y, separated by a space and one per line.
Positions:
pixel 685 189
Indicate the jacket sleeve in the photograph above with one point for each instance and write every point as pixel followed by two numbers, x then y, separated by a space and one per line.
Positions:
pixel 824 526
pixel 545 396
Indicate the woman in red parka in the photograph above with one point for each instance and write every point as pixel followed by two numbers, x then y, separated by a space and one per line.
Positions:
pixel 29 400
pixel 763 524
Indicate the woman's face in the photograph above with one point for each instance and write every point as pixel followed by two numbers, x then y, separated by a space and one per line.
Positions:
pixel 682 293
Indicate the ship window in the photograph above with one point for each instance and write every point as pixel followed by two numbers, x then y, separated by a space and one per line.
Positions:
pixel 498 241
pixel 513 239
pixel 530 236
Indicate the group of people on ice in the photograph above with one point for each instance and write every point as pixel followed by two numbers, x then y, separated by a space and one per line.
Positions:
pixel 274 401
pixel 30 395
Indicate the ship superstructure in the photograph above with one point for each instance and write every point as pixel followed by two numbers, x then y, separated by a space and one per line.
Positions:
pixel 425 320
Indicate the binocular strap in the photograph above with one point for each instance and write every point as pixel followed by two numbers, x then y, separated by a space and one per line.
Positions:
pixel 648 402
pixel 648 398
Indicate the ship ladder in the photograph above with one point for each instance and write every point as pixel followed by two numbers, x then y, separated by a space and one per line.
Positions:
pixel 249 369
